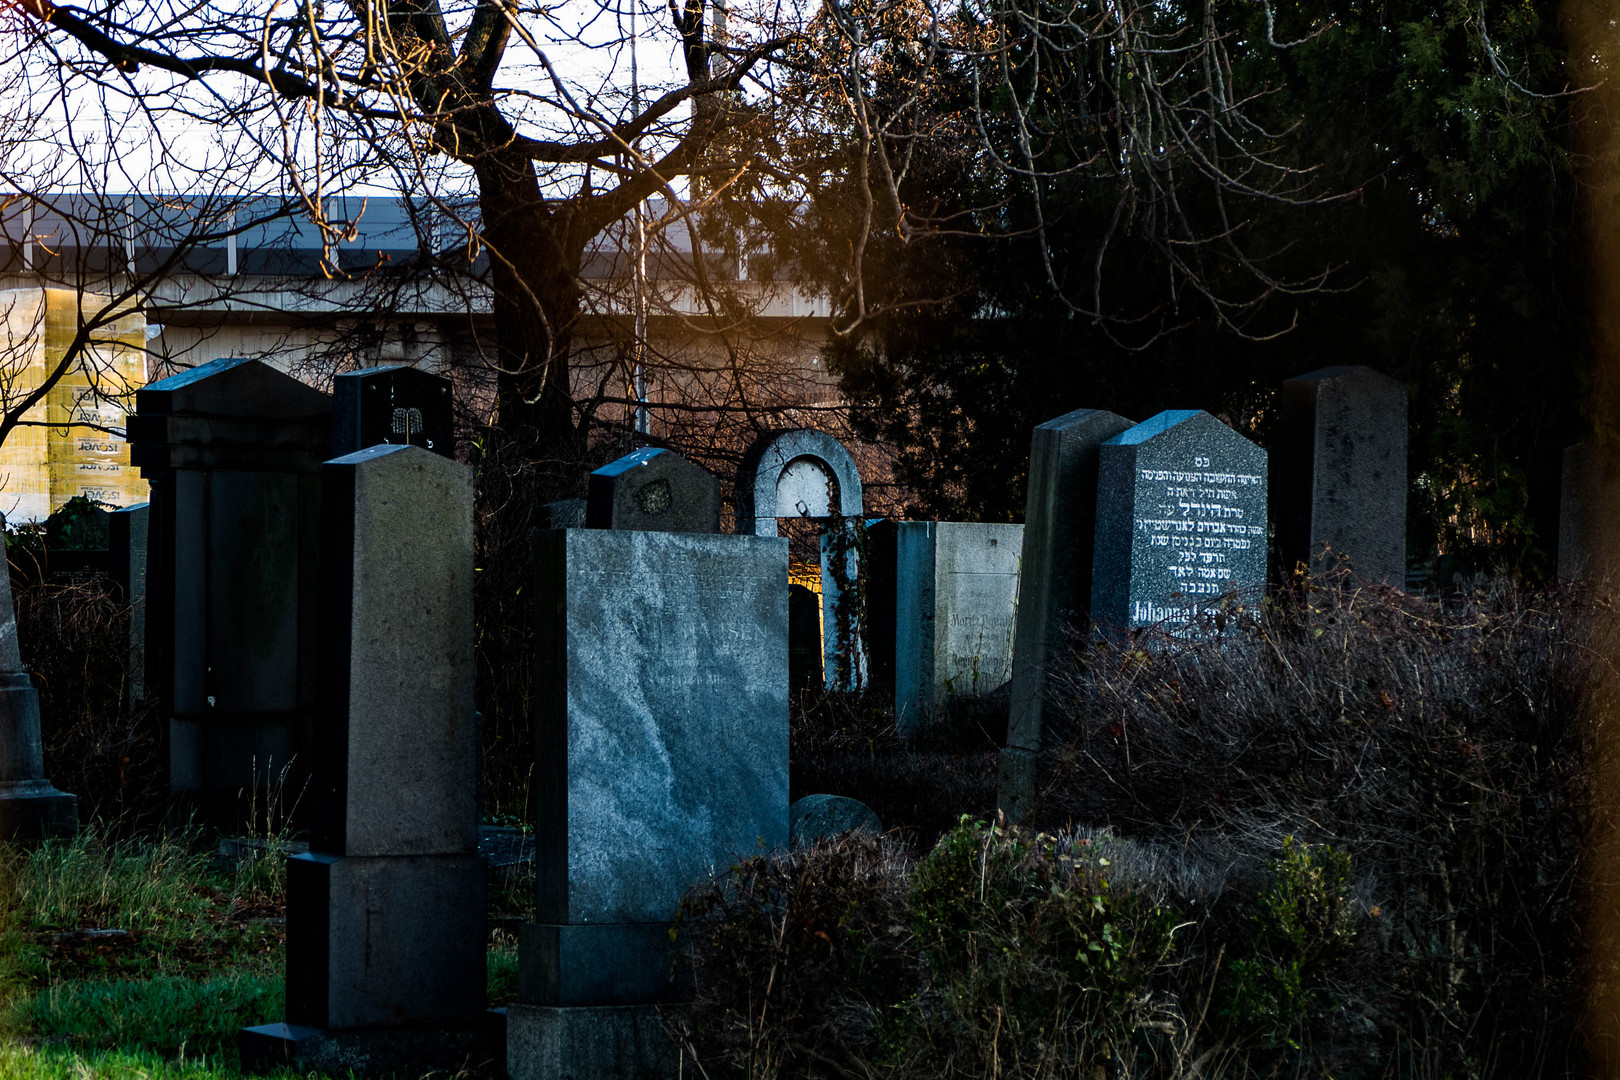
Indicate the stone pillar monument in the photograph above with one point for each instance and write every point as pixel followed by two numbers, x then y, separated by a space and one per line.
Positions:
pixel 30 808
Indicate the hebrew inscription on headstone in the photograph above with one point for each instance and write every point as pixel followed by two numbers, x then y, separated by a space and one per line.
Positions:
pixel 1181 520
pixel 398 405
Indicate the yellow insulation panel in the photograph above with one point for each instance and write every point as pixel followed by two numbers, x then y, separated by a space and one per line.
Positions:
pixel 77 447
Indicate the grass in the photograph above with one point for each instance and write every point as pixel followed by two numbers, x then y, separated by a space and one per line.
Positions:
pixel 144 957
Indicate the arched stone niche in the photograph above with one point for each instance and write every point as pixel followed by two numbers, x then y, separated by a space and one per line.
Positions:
pixel 797 473
pixel 807 473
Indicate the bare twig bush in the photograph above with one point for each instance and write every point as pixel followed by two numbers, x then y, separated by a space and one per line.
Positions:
pixel 73 639
pixel 1342 834
pixel 1443 746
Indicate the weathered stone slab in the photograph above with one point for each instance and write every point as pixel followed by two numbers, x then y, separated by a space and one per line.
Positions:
pixel 1340 476
pixel 1181 521
pixel 956 598
pixel 396 405
pixel 1054 587
pixel 661 716
pixel 608 1042
pixel 386 914
pixel 661 664
pixel 397 743
pixel 654 490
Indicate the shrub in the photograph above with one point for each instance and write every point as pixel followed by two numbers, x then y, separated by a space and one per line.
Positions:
pixel 1441 746
pixel 1044 963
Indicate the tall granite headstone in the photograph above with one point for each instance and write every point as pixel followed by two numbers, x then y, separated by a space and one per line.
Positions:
pixel 1340 474
pixel 1181 521
pixel 127 535
pixel 1054 588
pixel 30 807
pixel 1588 507
pixel 806 473
pixel 385 914
pixel 394 405
pixel 232 450
pixel 956 598
pixel 661 736
pixel 653 490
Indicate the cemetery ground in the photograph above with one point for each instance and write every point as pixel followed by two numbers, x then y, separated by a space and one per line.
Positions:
pixel 1339 836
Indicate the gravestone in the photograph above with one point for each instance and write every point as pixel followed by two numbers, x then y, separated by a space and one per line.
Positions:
pixel 815 817
pixel 653 490
pixel 1340 475
pixel 881 626
pixel 31 808
pixel 809 474
pixel 394 405
pixel 385 913
pixel 233 450
pixel 1054 588
pixel 562 514
pixel 956 598
pixel 661 734
pixel 1588 506
pixel 127 533
pixel 1181 521
pixel 804 637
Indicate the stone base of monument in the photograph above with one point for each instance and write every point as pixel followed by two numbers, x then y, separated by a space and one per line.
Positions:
pixel 1015 784
pixel 32 810
pixel 602 1042
pixel 409 1051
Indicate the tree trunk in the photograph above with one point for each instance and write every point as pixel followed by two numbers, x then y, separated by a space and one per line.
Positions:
pixel 536 250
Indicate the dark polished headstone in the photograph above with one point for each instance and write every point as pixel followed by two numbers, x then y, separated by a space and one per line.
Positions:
pixel 1339 481
pixel 232 450
pixel 1181 521
pixel 393 405
pixel 1054 589
pixel 653 490
pixel 804 638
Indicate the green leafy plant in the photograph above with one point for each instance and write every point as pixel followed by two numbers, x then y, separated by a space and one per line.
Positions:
pixel 1031 935
pixel 1304 925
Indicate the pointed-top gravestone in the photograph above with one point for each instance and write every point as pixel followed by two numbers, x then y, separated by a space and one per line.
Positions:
pixel 1054 588
pixel 1340 475
pixel 394 405
pixel 653 490
pixel 1181 521
pixel 30 808
pixel 233 450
